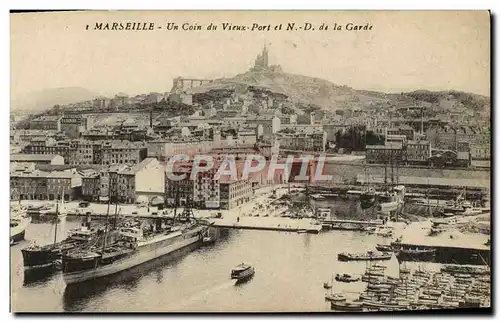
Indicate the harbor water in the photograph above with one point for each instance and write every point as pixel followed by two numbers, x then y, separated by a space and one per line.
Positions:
pixel 290 271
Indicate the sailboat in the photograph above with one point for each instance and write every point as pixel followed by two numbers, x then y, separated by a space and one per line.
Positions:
pixel 36 256
pixel 392 198
pixel 367 197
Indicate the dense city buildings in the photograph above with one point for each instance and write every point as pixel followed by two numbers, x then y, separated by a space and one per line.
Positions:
pixel 33 184
pixel 119 142
pixel 46 123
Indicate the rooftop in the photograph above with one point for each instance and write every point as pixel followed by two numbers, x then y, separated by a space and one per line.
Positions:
pixel 422 142
pixel 47 118
pixel 20 157
pixel 29 174
pixel 138 167
pixel 387 146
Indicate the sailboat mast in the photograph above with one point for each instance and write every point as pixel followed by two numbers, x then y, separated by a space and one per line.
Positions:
pixel 57 218
pixel 176 202
pixel 397 172
pixel 116 216
pixel 107 216
pixel 385 173
pixel 392 169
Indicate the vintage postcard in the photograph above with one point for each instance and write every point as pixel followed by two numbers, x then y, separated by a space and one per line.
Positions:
pixel 250 161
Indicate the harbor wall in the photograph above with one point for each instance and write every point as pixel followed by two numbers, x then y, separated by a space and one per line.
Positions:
pixel 347 172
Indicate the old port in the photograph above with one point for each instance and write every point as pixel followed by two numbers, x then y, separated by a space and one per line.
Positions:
pixel 422 268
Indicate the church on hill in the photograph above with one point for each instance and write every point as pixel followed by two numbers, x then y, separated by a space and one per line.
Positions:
pixel 262 63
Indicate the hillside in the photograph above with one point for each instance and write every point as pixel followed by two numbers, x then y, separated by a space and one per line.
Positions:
pixel 468 100
pixel 330 96
pixel 299 88
pixel 40 101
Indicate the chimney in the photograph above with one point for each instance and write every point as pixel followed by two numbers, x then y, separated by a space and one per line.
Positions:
pixel 151 119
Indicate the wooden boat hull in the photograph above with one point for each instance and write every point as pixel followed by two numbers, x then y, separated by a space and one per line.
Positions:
pixel 349 257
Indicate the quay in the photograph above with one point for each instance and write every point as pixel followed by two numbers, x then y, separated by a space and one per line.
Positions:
pixel 450 247
pixel 268 223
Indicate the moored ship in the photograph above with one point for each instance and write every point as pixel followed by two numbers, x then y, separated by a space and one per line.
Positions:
pixel 416 254
pixel 18 228
pixel 368 256
pixel 131 249
pixel 36 256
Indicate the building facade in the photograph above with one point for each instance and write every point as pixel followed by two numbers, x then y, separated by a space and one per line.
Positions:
pixel 123 152
pixel 313 142
pixel 46 123
pixel 385 154
pixel 74 125
pixel 418 152
pixel 234 193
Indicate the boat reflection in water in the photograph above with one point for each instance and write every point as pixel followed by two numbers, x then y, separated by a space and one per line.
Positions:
pixel 38 276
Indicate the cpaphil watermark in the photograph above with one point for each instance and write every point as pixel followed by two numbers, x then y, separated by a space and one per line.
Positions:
pixel 292 168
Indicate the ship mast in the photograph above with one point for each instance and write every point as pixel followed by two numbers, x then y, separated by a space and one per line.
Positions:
pixel 116 216
pixel 57 218
pixel 392 169
pixel 176 202
pixel 385 174
pixel 107 216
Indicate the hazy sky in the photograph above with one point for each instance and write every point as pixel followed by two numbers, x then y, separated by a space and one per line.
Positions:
pixel 404 50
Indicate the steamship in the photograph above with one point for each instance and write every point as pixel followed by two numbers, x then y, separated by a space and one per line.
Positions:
pixel 132 248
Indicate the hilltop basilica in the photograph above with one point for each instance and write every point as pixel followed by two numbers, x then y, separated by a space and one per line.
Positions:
pixel 262 63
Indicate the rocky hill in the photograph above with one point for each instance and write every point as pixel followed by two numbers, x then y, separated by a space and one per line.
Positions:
pixel 330 96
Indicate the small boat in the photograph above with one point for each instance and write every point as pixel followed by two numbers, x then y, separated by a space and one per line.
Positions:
pixel 18 228
pixel 371 279
pixel 428 297
pixel 432 292
pixel 302 231
pixel 369 256
pixel 348 306
pixel 370 230
pixel 317 197
pixel 471 211
pixel 242 272
pixel 378 266
pixel 416 254
pixel 346 278
pixel 381 305
pixel 374 272
pixel 384 248
pixel 335 297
